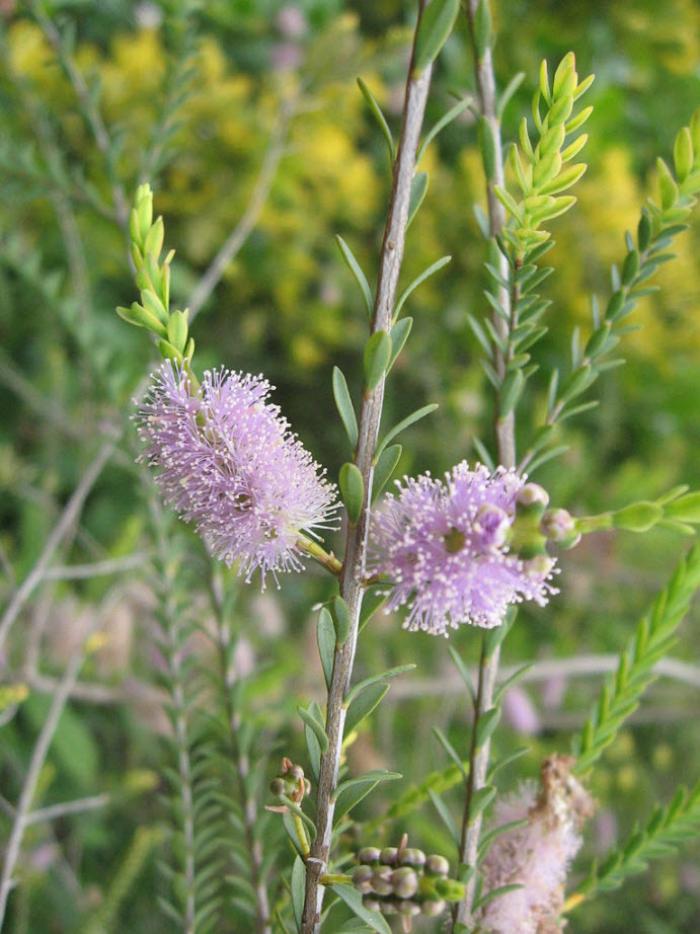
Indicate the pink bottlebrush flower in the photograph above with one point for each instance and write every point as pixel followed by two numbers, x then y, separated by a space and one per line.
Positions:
pixel 536 855
pixel 443 545
pixel 226 460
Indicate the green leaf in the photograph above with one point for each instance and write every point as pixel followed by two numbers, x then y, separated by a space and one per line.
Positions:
pixel 353 899
pixel 444 121
pixel 372 601
pixel 298 889
pixel 399 335
pixel 316 727
pixel 386 465
pixel 357 272
pixel 426 274
pixel 354 790
pixel 379 117
pixel 419 189
pixel 487 723
pixel 341 394
pixel 445 815
pixel 434 30
pixel 341 620
pixel 449 749
pixel 352 490
pixel 373 679
pixel 491 896
pixel 405 423
pixel 325 638
pixel 313 744
pixel 363 704
pixel 482 27
pixel 376 358
pixel 510 682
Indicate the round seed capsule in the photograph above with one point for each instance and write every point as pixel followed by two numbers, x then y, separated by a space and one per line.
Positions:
pixel 389 855
pixel 408 909
pixel 433 907
pixel 437 865
pixel 405 882
pixel 362 878
pixel 381 881
pixel 372 903
pixel 412 857
pixel 369 854
pixel 389 908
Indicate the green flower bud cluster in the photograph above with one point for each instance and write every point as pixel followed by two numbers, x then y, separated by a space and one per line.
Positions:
pixel 170 328
pixel 535 527
pixel 678 510
pixel 404 881
pixel 291 782
pixel 541 170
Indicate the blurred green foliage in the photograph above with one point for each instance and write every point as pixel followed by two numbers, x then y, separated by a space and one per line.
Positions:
pixel 190 95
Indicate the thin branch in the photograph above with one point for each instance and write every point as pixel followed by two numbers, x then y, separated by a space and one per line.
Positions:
pixel 505 436
pixel 575 667
pixel 73 572
pixel 67 808
pixel 41 748
pixel 251 215
pixel 128 692
pixel 67 520
pixel 351 588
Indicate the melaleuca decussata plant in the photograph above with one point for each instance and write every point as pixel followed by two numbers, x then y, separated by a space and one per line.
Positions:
pixel 461 550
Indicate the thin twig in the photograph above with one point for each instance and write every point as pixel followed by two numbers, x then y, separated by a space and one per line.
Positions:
pixel 67 808
pixel 73 572
pixel 575 667
pixel 505 437
pixel 351 588
pixel 41 748
pixel 251 215
pixel 68 518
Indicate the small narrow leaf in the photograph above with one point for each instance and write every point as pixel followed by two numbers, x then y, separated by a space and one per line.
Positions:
pixel 341 620
pixel 399 335
pixel 353 899
pixel 357 272
pixel 449 749
pixel 386 465
pixel 379 117
pixel 354 790
pixel 352 490
pixel 445 815
pixel 433 31
pixel 405 423
pixel 341 394
pixel 488 721
pixel 373 679
pixel 315 726
pixel 377 355
pixel 419 189
pixel 325 638
pixel 407 292
pixel 298 889
pixel 363 704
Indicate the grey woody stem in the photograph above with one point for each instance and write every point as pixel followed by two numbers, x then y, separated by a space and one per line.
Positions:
pixel 351 577
pixel 505 438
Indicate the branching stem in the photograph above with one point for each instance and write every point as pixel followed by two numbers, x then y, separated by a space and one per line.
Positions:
pixel 351 582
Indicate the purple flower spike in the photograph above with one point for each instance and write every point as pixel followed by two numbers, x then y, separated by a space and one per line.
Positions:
pixel 443 547
pixel 226 460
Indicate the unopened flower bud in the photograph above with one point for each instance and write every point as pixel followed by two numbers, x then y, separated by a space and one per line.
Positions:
pixel 389 855
pixel 433 907
pixel 491 524
pixel 532 494
pixel 278 786
pixel 362 878
pixel 389 908
pixel 437 865
pixel 405 882
pixel 369 854
pixel 412 857
pixel 408 909
pixel 296 772
pixel 381 881
pixel 557 524
pixel 372 903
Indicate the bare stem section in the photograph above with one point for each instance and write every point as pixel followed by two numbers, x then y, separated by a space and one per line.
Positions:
pixel 351 584
pixel 505 437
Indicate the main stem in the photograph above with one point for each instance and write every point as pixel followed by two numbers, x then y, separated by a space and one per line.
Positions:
pixel 505 438
pixel 351 585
